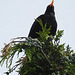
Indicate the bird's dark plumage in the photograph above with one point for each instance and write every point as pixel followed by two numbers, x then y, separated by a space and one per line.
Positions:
pixel 47 18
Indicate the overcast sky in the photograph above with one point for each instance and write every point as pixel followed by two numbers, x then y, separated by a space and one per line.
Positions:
pixel 17 16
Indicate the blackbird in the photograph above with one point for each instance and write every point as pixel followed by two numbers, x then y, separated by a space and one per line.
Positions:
pixel 47 18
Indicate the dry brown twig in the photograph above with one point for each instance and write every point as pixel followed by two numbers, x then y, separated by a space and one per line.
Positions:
pixel 7 47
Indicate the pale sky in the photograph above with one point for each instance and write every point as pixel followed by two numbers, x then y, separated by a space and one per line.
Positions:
pixel 17 16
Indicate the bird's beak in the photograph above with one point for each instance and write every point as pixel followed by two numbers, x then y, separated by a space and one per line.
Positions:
pixel 52 3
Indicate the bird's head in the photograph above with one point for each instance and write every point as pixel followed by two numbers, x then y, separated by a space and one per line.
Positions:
pixel 50 8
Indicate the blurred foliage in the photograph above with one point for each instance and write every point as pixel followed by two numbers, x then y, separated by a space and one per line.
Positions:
pixel 42 56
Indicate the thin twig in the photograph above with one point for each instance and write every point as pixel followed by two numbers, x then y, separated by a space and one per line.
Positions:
pixel 45 56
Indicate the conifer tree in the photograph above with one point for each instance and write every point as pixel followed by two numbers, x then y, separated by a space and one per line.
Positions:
pixel 41 56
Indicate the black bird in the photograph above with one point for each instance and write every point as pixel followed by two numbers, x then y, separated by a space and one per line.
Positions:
pixel 47 18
